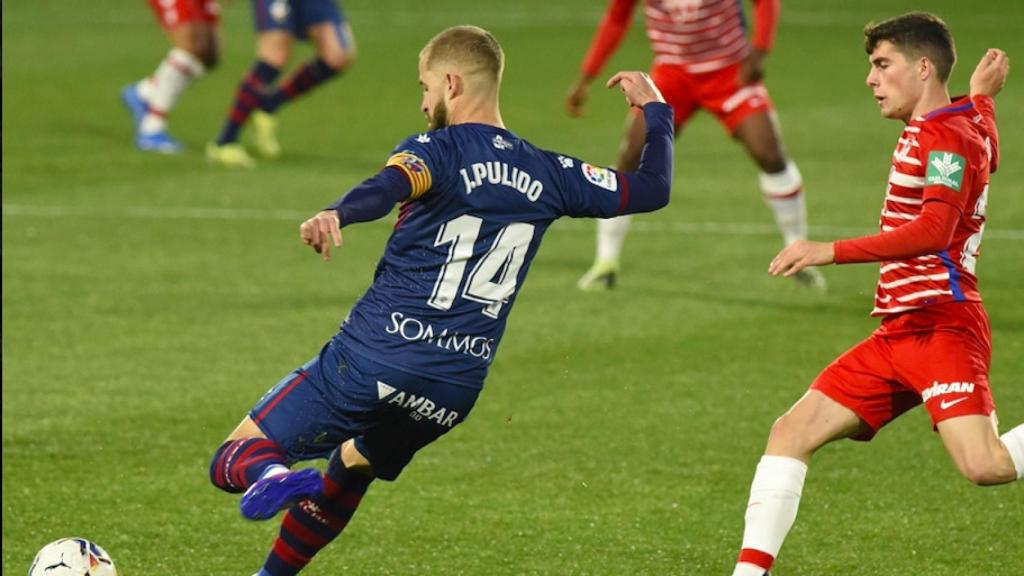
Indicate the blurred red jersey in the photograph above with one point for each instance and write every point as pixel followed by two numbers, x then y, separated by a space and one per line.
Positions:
pixel 699 35
pixel 944 156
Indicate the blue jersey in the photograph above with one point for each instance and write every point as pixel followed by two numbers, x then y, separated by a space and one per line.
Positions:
pixel 482 199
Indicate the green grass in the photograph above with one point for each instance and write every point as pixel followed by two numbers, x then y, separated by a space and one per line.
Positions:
pixel 149 301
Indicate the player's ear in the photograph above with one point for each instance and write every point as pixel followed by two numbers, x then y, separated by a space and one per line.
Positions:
pixel 454 85
pixel 925 69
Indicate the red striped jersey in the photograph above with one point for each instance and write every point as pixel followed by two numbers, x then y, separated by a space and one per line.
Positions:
pixel 700 35
pixel 944 156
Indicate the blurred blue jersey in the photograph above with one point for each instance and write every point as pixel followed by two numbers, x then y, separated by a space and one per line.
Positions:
pixel 482 200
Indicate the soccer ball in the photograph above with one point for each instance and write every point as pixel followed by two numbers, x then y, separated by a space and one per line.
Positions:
pixel 72 557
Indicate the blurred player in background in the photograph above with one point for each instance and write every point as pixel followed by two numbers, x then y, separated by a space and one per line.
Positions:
pixel 702 59
pixel 278 24
pixel 191 26
pixel 409 361
pixel 933 345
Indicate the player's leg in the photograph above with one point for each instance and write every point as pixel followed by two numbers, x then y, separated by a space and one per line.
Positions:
pixel 274 23
pixel 312 524
pixel 402 414
pixel 815 420
pixel 335 47
pixel 611 232
pixel 852 398
pixel 979 453
pixel 191 26
pixel 951 363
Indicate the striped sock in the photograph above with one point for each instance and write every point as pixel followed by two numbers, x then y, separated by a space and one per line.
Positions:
pixel 251 94
pixel 311 75
pixel 312 524
pixel 161 90
pixel 239 463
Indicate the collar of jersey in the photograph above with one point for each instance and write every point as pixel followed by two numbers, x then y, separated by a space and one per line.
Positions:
pixel 959 104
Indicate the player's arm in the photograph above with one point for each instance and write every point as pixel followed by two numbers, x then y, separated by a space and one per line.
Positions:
pixel 986 81
pixel 649 187
pixel 930 232
pixel 374 198
pixel 609 35
pixel 766 23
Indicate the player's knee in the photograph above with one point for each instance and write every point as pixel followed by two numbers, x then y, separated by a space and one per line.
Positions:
pixel 218 468
pixel 771 162
pixel 985 471
pixel 338 60
pixel 788 437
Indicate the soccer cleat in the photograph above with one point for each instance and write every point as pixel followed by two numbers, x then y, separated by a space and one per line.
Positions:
pixel 160 142
pixel 601 276
pixel 232 155
pixel 812 278
pixel 270 495
pixel 134 103
pixel 264 135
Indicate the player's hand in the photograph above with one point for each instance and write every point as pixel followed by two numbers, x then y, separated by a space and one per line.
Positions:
pixel 752 67
pixel 577 97
pixel 637 87
pixel 990 74
pixel 800 255
pixel 320 231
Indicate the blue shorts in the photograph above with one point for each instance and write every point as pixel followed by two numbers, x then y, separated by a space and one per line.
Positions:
pixel 296 16
pixel 337 396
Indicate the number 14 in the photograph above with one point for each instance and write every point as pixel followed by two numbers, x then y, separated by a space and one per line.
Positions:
pixel 502 263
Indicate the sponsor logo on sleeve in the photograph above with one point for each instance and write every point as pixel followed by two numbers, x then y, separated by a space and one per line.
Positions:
pixel 603 177
pixel 945 169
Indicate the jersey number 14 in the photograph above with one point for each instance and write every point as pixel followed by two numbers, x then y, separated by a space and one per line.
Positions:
pixel 494 277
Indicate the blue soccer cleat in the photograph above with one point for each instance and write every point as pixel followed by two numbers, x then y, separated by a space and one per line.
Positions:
pixel 270 495
pixel 160 142
pixel 134 103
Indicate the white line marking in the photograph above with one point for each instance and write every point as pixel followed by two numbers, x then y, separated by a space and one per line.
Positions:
pixel 566 224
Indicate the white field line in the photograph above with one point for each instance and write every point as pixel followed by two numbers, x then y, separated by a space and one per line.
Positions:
pixel 575 225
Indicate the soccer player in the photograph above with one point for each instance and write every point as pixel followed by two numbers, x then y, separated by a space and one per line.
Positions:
pixel 279 23
pixel 191 26
pixel 933 345
pixel 702 59
pixel 409 361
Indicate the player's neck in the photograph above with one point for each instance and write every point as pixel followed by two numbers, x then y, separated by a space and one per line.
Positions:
pixel 483 111
pixel 933 98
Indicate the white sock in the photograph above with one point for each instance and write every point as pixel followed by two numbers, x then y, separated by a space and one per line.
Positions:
pixel 1014 442
pixel 161 90
pixel 783 192
pixel 771 510
pixel 274 470
pixel 611 235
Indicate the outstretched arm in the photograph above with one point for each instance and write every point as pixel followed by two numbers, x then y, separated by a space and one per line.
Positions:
pixel 372 199
pixel 648 188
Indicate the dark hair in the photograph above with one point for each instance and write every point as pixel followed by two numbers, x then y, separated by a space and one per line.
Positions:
pixel 916 34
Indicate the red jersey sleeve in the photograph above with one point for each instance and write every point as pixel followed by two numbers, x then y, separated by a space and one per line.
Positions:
pixel 947 156
pixel 766 21
pixel 930 232
pixel 609 35
pixel 986 108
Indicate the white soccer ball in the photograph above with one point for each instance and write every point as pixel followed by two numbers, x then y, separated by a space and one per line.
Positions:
pixel 72 557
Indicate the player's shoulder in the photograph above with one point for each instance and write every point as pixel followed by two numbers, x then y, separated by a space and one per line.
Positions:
pixel 952 125
pixel 425 141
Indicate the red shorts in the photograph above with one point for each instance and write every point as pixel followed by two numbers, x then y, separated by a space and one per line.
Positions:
pixel 938 354
pixel 171 13
pixel 718 92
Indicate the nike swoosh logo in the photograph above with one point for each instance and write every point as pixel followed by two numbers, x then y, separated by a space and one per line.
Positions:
pixel 944 405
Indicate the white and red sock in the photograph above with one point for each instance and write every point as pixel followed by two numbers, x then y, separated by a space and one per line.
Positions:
pixel 784 194
pixel 161 90
pixel 771 510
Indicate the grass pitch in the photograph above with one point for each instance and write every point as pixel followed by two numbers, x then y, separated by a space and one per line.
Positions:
pixel 149 301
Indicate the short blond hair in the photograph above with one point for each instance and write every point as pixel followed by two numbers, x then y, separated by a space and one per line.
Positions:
pixel 470 48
